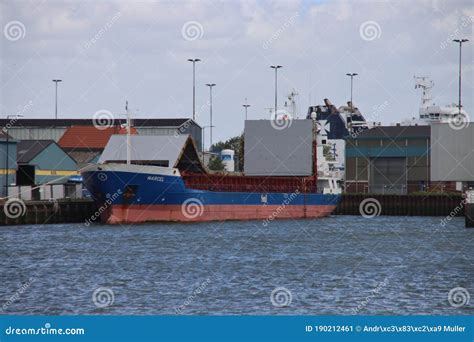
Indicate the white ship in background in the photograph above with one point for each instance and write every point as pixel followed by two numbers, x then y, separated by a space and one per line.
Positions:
pixel 430 112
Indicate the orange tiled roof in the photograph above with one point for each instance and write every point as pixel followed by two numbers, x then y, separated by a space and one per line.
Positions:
pixel 89 137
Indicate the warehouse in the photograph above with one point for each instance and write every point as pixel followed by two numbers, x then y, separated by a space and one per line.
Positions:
pixel 43 161
pixel 51 129
pixel 389 160
pixel 7 162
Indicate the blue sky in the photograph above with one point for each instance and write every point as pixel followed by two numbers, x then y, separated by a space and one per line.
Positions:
pixel 111 51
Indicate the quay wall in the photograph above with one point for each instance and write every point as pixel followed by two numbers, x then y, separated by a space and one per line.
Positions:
pixel 402 205
pixel 80 210
pixel 19 212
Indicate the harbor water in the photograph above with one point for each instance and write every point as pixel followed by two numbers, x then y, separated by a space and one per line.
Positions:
pixel 337 265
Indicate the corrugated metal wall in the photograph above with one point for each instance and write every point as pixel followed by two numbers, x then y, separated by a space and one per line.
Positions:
pixel 11 169
pixel 278 152
pixel 37 133
pixel 452 153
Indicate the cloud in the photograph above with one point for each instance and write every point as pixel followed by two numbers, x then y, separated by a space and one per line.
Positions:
pixel 141 56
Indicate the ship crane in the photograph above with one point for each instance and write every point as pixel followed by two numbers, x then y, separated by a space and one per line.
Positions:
pixel 426 85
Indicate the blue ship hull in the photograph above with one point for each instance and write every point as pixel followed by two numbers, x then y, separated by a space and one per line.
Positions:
pixel 132 193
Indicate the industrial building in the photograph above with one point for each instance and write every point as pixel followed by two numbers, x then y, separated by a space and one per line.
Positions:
pixel 389 160
pixel 52 129
pixel 43 161
pixel 452 155
pixel 7 162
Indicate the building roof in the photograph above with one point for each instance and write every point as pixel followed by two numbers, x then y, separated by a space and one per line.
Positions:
pixel 29 149
pixel 394 132
pixel 172 122
pixel 83 158
pixel 88 137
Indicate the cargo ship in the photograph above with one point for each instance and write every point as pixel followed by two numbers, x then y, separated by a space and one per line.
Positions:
pixel 169 183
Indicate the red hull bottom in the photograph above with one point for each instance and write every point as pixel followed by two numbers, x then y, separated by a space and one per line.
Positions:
pixel 175 213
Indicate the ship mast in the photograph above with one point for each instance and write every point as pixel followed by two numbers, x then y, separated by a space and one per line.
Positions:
pixel 128 135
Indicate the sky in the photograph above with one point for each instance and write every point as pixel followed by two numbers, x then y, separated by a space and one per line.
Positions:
pixel 107 52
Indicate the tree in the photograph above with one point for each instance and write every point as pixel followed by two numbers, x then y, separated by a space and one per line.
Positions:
pixel 235 143
pixel 216 164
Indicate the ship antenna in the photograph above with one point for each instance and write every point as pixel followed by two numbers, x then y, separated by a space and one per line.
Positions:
pixel 128 133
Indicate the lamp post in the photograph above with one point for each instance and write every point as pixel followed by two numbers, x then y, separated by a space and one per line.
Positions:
pixel 7 159
pixel 56 107
pixel 246 106
pixel 210 85
pixel 460 41
pixel 194 60
pixel 276 67
pixel 352 75
pixel 204 139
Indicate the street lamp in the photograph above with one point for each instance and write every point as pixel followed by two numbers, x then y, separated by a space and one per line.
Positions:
pixel 56 111
pixel 460 41
pixel 194 60
pixel 7 159
pixel 203 140
pixel 246 106
pixel 210 85
pixel 276 67
pixel 351 75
